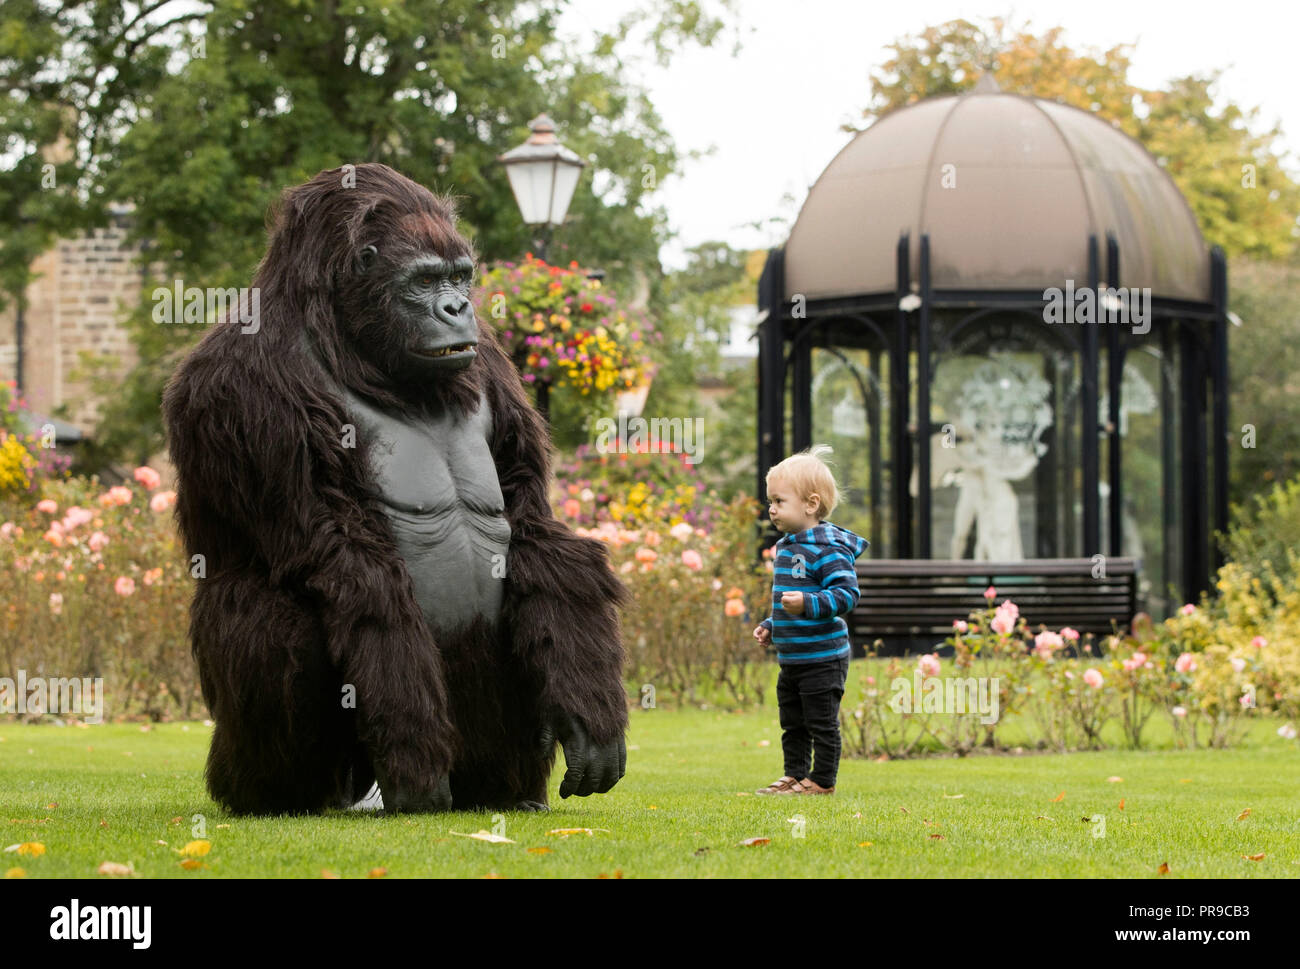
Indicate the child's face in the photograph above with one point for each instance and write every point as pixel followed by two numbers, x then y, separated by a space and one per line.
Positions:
pixel 789 513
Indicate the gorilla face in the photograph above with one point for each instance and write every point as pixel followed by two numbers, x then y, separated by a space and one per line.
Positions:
pixel 430 303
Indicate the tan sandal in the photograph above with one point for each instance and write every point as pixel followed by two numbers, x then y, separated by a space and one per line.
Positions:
pixel 781 786
pixel 810 786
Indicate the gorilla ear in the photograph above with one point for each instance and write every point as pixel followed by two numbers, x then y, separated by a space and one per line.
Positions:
pixel 366 260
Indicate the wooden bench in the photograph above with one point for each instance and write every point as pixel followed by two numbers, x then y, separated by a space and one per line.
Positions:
pixel 910 604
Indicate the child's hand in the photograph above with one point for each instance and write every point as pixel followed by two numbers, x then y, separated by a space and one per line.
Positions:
pixel 763 635
pixel 792 602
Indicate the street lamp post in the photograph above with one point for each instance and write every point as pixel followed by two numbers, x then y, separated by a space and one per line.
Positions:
pixel 543 175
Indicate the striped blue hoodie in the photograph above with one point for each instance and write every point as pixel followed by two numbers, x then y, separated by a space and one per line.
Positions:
pixel 819 563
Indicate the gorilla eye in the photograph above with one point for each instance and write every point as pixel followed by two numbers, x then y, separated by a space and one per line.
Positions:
pixel 426 280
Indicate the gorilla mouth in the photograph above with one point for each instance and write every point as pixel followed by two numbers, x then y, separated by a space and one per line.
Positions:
pixel 448 350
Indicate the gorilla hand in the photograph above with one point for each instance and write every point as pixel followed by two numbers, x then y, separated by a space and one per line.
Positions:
pixel 590 768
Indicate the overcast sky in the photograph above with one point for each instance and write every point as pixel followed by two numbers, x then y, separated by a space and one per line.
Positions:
pixel 773 112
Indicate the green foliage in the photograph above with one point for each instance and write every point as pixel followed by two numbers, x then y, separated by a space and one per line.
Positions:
pixel 200 118
pixel 1263 364
pixel 1264 542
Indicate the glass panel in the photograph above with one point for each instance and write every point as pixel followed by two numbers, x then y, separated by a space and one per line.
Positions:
pixel 1147 435
pixel 1005 473
pixel 850 412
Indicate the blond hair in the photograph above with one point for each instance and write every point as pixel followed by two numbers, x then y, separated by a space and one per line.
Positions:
pixel 808 474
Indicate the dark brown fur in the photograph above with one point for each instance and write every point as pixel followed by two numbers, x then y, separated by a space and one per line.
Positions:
pixel 304 589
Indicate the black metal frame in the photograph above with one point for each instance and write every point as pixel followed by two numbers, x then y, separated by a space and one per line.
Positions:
pixel 1198 328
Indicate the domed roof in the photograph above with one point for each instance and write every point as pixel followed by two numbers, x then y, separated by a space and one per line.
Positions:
pixel 1009 187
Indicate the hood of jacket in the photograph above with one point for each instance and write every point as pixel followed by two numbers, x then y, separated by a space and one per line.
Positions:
pixel 830 536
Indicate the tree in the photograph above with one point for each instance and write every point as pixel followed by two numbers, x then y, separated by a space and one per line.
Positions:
pixel 199 119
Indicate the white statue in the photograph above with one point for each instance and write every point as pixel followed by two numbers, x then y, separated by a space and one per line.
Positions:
pixel 1003 411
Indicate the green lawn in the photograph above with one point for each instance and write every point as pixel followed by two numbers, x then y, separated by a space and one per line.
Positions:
pixel 110 793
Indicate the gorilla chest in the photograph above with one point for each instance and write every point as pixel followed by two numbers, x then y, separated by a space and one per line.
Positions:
pixel 437 483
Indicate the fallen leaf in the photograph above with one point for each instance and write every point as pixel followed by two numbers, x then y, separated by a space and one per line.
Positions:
pixel 1044 817
pixel 1059 797
pixel 543 850
pixel 765 743
pixel 192 864
pixel 1184 780
pixel 176 820
pixel 858 814
pixel 1121 804
pixel 114 868
pixel 326 873
pixel 1243 815
pixel 377 873
pixel 16 873
pixel 1163 869
pixel 163 843
pixel 882 758
pixel 493 874
pixel 32 848
pixel 936 837
pixel 953 797
pixel 1114 780
pixel 1258 857
pixel 654 807
pixel 52 805
pixel 221 826
pixel 905 810
pixel 754 842
pixel 103 824
pixel 565 832
pixel 700 852
pixel 196 849
pixel 618 873
pixel 483 835
pixel 929 824
pixel 864 844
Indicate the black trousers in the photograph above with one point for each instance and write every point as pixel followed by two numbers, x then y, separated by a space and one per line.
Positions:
pixel 808 697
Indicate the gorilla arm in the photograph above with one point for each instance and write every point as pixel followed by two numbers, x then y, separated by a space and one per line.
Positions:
pixel 262 475
pixel 562 597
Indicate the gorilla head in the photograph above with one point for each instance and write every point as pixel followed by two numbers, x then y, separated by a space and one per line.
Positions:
pixel 385 286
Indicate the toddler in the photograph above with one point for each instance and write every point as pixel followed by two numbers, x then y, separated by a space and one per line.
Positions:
pixel 814 583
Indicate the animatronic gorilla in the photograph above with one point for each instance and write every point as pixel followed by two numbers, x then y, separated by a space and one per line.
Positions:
pixel 388 595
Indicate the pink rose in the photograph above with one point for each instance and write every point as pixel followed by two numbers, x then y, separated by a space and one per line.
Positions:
pixel 47 506
pixel 1046 642
pixel 681 531
pixel 1188 609
pixel 97 541
pixel 1238 663
pixel 1179 711
pixel 124 586
pixel 148 477
pixel 961 625
pixel 162 501
pixel 928 664
pixel 1003 623
pixel 1139 658
pixel 691 559
pixel 1259 642
pixel 1071 634
pixel 572 508
pixel 120 494
pixel 1185 663
pixel 1011 608
pixel 56 603
pixel 1093 678
pixel 990 593
pixel 76 517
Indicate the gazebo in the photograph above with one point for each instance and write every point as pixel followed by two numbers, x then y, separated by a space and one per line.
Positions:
pixel 1000 312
